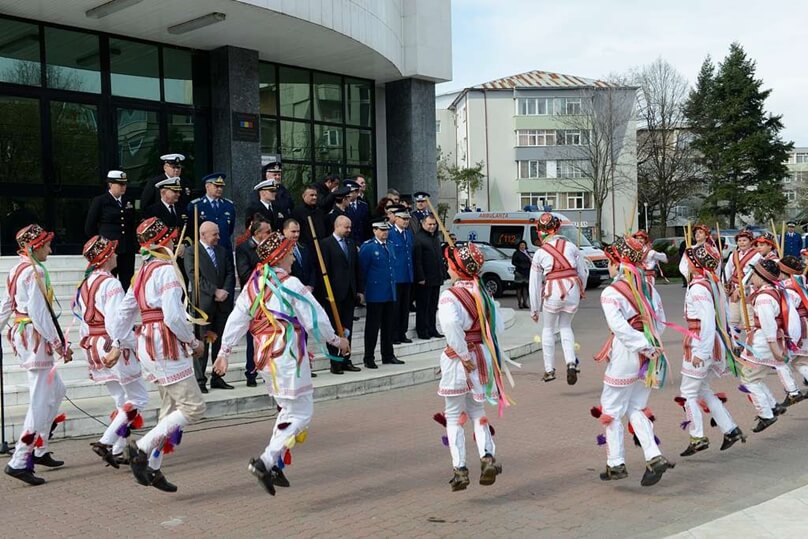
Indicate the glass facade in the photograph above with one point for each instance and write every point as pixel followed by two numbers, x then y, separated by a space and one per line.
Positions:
pixel 76 103
pixel 319 123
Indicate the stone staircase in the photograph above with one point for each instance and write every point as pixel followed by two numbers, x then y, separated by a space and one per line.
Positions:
pixel 420 356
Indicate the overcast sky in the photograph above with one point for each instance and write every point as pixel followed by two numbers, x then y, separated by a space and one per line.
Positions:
pixel 592 38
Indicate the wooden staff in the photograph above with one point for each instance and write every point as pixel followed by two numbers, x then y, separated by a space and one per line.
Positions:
pixel 774 233
pixel 329 293
pixel 196 256
pixel 782 239
pixel 688 236
pixel 440 223
pixel 742 292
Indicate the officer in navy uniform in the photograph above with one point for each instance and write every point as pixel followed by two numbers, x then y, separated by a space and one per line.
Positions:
pixel 376 262
pixel 112 215
pixel 402 239
pixel 283 200
pixel 341 202
pixel 358 212
pixel 421 210
pixel 214 207
pixel 267 205
pixel 172 168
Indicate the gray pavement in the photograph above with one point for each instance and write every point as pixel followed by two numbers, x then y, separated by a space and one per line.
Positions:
pixel 374 466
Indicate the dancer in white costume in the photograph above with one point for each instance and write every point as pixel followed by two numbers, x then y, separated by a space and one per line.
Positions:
pixel 651 258
pixel 557 279
pixel 793 284
pixel 744 257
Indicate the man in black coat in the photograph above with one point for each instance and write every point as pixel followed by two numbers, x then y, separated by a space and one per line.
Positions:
pixel 267 206
pixel 325 195
pixel 309 208
pixel 172 168
pixel 342 264
pixel 428 271
pixel 167 207
pixel 216 278
pixel 303 266
pixel 283 200
pixel 112 215
pixel 246 261
pixel 341 201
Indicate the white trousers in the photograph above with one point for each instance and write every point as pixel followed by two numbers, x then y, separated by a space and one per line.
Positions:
pixel 295 416
pixel 182 404
pixel 131 396
pixel 753 377
pixel 786 375
pixel 560 323
pixel 801 364
pixel 475 412
pixel 627 401
pixel 44 400
pixel 695 390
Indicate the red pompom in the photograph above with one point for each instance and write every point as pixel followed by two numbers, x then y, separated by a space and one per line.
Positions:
pixel 114 414
pixel 28 438
pixel 128 406
pixel 596 411
pixel 287 457
pixel 704 407
pixel 630 428
pixel 483 420
pixel 722 397
pixel 60 418
pixel 462 419
pixel 649 414
pixel 130 414
pixel 440 418
pixel 605 419
pixel 168 447
pixel 137 422
pixel 39 442
pixel 283 426
pixel 680 401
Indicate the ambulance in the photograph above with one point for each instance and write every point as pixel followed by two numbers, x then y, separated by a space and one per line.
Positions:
pixel 504 230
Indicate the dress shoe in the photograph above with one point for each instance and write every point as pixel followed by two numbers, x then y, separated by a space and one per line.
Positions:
pixel 25 475
pixel 424 336
pixel 392 361
pixel 371 365
pixel 278 477
pixel 460 479
pixel 779 409
pixel 763 424
pixel 257 468
pixel 489 470
pixel 203 388
pixel 48 461
pixel 139 464
pixel 613 473
pixel 405 340
pixel 219 383
pixel 350 367
pixel 731 437
pixel 251 381
pixel 160 482
pixel 396 342
pixel 572 374
pixel 336 369
pixel 654 469
pixel 696 445
pixel 121 458
pixel 436 335
pixel 105 452
pixel 549 376
pixel 792 399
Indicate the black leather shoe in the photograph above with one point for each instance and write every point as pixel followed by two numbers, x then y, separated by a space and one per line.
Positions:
pixel 251 382
pixel 763 424
pixel 105 452
pixel 424 336
pixel 336 369
pixel 139 464
pixel 219 383
pixel 436 335
pixel 278 478
pixel 371 365
pixel 614 473
pixel 405 340
pixel 350 367
pixel 396 342
pixel 731 437
pixel 48 461
pixel 392 361
pixel 121 458
pixel 203 388
pixel 160 482
pixel 24 475
pixel 314 375
pixel 654 469
pixel 695 445
pixel 257 468
pixel 779 409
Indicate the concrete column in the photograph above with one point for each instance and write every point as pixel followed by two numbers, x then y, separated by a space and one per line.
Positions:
pixel 411 142
pixel 234 90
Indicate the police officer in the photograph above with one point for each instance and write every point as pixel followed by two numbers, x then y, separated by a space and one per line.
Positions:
pixel 172 168
pixel 341 201
pixel 402 240
pixel 214 207
pixel 358 212
pixel 421 209
pixel 267 205
pixel 283 200
pixel 112 215
pixel 376 262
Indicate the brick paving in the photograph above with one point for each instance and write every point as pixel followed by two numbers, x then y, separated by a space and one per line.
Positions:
pixel 374 467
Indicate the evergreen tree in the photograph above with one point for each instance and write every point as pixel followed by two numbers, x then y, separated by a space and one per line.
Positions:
pixel 741 153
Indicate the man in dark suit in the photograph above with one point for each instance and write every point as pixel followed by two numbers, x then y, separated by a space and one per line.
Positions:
pixel 172 168
pixel 341 201
pixel 342 265
pixel 267 206
pixel 216 277
pixel 428 269
pixel 167 208
pixel 325 188
pixel 283 201
pixel 303 266
pixel 246 261
pixel 309 208
pixel 112 215
pixel 359 213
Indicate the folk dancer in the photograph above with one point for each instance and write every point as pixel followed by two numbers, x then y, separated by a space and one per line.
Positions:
pixel 636 363
pixel 796 289
pixel 766 245
pixel 98 299
pixel 165 344
pixel 652 258
pixel 471 365
pixel 557 277
pixel 707 350
pixel 793 291
pixel 765 343
pixel 35 340
pixel 745 256
pixel 279 312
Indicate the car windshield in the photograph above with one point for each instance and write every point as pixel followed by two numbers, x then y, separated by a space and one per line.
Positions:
pixel 491 253
pixel 571 233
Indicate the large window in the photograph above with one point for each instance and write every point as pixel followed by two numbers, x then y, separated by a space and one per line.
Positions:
pixel 73 60
pixel 20 140
pixel 19 53
pixel 138 143
pixel 532 106
pixel 567 106
pixel 74 130
pixel 581 200
pixel 135 69
pixel 535 137
pixel 532 169
pixel 801 158
pixel 570 168
pixel 538 199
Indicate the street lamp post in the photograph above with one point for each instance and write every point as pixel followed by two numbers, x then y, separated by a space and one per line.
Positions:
pixel 647 228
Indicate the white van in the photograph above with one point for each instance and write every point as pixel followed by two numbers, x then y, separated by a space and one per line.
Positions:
pixel 504 230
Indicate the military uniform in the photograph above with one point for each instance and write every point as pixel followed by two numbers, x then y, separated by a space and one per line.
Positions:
pixel 221 211
pixel 402 241
pixel 151 193
pixel 376 261
pixel 359 214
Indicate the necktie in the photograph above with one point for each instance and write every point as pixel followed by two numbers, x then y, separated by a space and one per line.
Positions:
pixel 344 246
pixel 120 203
pixel 171 211
pixel 212 255
pixel 215 204
pixel 297 256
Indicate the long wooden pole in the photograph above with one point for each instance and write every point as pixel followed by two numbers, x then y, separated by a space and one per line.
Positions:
pixel 741 291
pixel 196 256
pixel 442 227
pixel 328 291
pixel 782 252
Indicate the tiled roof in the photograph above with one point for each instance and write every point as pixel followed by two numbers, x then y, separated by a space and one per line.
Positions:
pixel 542 79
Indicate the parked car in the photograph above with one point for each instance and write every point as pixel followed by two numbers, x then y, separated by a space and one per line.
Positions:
pixel 498 274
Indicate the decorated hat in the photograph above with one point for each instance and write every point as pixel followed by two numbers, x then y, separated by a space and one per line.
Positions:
pixel 745 234
pixel 175 159
pixel 703 228
pixel 625 250
pixel 641 234
pixel 98 249
pixel 33 236
pixel 342 191
pixel 268 185
pixel 351 184
pixel 791 265
pixel 791 223
pixel 273 166
pixel 380 223
pixel 174 184
pixel 116 176
pixel 153 231
pixel 216 178
pixel 768 270
pixel 420 196
pixel 273 249
pixel 704 256
pixel 466 260
pixel 548 222
pixel 767 237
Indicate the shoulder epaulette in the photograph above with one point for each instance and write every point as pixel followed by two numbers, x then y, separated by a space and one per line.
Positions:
pixel 196 200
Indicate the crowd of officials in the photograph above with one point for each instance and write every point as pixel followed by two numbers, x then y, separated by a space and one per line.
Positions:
pixel 382 257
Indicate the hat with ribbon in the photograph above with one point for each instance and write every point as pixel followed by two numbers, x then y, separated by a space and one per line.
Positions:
pixel 98 250
pixel 791 265
pixel 641 234
pixel 548 222
pixel 273 249
pixel 704 256
pixel 768 270
pixel 767 237
pixel 625 250
pixel 703 228
pixel 466 260
pixel 33 237
pixel 153 231
pixel 745 234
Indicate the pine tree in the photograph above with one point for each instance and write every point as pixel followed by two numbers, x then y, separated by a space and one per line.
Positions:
pixel 741 153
